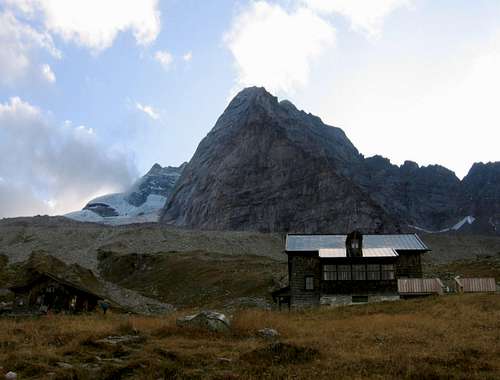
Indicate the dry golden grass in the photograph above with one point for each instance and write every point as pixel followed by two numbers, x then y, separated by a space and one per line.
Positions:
pixel 452 337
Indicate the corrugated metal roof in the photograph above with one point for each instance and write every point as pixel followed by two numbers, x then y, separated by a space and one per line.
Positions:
pixel 314 242
pixel 367 252
pixel 476 285
pixel 317 242
pixel 415 286
pixel 333 252
pixel 379 252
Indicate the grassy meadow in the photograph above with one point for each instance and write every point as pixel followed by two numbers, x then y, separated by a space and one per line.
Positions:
pixel 450 337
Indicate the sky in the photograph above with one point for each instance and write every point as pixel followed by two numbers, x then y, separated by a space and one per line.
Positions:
pixel 93 92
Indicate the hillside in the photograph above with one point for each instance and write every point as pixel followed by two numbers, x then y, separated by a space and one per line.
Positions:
pixel 189 267
pixel 452 337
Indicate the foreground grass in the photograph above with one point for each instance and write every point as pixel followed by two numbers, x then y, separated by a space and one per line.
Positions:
pixel 447 337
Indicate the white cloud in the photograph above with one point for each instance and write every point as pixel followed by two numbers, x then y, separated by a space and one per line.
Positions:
pixel 95 24
pixel 53 168
pixel 20 43
pixel 148 110
pixel 367 16
pixel 276 48
pixel 48 74
pixel 164 57
pixel 188 56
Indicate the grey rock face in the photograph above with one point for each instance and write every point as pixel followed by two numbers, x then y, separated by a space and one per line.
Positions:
pixel 268 166
pixel 480 197
pixel 421 196
pixel 158 181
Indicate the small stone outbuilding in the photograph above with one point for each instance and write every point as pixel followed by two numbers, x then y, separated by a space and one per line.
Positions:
pixel 45 284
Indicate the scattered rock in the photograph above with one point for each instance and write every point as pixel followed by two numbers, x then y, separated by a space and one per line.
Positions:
pixel 10 375
pixel 209 320
pixel 64 365
pixel 91 367
pixel 225 360
pixel 248 302
pixel 123 339
pixel 268 333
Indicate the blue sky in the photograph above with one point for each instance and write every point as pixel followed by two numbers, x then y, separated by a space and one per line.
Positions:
pixel 93 93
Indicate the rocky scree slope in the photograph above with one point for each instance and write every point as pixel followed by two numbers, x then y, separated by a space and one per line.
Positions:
pixel 268 166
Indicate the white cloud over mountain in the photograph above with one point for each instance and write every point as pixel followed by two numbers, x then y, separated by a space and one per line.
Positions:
pixel 277 44
pixel 47 73
pixel 367 16
pixel 20 45
pixel 275 47
pixel 148 110
pixel 27 29
pixel 48 167
pixel 95 24
pixel 164 58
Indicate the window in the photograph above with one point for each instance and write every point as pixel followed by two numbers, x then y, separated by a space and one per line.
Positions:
pixel 355 244
pixel 388 272
pixel 344 272
pixel 329 272
pixel 358 272
pixel 373 271
pixel 309 283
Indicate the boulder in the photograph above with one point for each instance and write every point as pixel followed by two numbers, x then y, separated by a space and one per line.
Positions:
pixel 268 333
pixel 207 320
pixel 10 375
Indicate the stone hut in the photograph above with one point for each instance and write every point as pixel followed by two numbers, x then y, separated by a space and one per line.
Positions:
pixel 45 284
pixel 346 269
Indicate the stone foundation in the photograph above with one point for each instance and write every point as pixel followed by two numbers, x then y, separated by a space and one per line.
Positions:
pixel 341 299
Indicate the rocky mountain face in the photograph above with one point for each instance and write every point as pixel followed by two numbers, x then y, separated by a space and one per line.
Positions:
pixel 480 197
pixel 141 203
pixel 158 181
pixel 268 166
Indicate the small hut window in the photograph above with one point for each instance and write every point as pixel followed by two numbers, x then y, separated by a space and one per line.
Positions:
pixel 344 272
pixel 388 272
pixel 373 272
pixel 329 272
pixel 359 272
pixel 309 283
pixel 355 244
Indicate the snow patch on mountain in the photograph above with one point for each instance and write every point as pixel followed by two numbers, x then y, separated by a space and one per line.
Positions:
pixel 465 221
pixel 125 213
pixel 140 204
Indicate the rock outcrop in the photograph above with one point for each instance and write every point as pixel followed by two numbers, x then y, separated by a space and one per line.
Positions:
pixel 480 197
pixel 270 167
pixel 206 320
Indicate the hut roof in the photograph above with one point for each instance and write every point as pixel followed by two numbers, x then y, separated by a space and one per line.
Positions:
pixel 74 275
pixel 399 242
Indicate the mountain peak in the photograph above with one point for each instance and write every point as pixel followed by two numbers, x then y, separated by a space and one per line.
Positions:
pixel 244 105
pixel 252 92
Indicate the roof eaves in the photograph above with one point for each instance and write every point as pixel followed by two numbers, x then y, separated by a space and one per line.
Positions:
pixel 421 242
